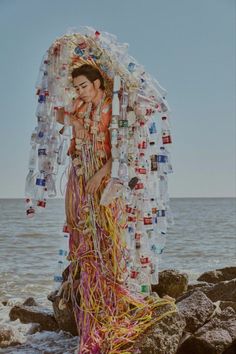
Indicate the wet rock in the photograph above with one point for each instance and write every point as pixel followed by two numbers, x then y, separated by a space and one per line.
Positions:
pixel 196 309
pixel 62 304
pixel 224 291
pixel 63 312
pixel 163 337
pixel 218 275
pixel 7 336
pixel 216 337
pixel 34 314
pixel 35 327
pixel 198 285
pixel 224 304
pixel 172 283
pixel 30 302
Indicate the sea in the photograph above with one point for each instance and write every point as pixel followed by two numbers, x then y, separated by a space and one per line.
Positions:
pixel 200 238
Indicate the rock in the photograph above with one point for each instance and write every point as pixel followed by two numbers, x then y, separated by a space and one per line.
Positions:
pixel 224 291
pixel 215 337
pixel 63 310
pixel 224 304
pixel 199 285
pixel 30 302
pixel 34 314
pixel 172 283
pixel 4 303
pixel 35 327
pixel 163 337
pixel 63 313
pixel 196 309
pixel 7 336
pixel 215 276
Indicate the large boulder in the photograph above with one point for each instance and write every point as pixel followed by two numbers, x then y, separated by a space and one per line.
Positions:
pixel 224 291
pixel 217 275
pixel 34 314
pixel 8 336
pixel 62 304
pixel 216 337
pixel 163 337
pixel 172 283
pixel 63 312
pixel 196 309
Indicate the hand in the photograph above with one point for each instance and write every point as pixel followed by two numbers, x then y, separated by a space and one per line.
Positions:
pixel 94 183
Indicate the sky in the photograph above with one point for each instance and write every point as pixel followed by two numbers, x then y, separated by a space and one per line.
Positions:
pixel 187 45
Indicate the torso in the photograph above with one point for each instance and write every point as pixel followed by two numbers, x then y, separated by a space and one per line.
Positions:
pixel 98 131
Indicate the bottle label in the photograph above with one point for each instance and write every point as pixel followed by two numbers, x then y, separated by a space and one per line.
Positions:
pixel 144 260
pixel 154 162
pixel 41 203
pixel 139 185
pixel 133 274
pixel 147 220
pixel 144 288
pixel 123 123
pixel 166 138
pixel 141 170
pixel 142 145
pixel 161 213
pixel 41 182
pixel 132 218
pixel 161 158
pixel 41 152
pixel 152 128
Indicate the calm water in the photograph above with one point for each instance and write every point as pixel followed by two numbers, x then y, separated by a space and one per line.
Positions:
pixel 202 238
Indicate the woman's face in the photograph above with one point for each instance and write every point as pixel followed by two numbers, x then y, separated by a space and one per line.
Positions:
pixel 86 89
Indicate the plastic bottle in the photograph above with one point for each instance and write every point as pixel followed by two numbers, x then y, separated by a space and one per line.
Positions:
pixel 123 172
pixel 162 161
pixel 147 211
pixel 153 136
pixel 51 185
pixel 155 271
pixel 42 156
pixel 165 127
pixel 40 186
pixel 30 184
pixel 58 274
pixel 161 218
pixel 144 281
pixel 30 211
pixel 163 188
pixel 153 156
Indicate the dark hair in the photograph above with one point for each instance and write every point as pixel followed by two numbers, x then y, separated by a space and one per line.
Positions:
pixel 90 72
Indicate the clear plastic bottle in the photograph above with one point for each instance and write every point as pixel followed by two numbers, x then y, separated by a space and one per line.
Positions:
pixel 30 185
pixel 65 143
pixel 58 274
pixel 144 281
pixel 161 218
pixel 40 186
pixel 162 161
pixel 42 157
pixel 51 185
pixel 165 127
pixel 30 211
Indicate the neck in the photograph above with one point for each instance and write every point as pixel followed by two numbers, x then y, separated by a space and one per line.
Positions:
pixel 97 98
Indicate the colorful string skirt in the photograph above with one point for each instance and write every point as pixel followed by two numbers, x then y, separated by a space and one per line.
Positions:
pixel 109 317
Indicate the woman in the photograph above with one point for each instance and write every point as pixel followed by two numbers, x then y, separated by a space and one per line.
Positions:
pixel 108 316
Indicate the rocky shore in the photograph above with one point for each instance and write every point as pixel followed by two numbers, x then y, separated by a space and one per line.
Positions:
pixel 205 322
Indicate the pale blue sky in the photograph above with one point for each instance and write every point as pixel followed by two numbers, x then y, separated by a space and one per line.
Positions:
pixel 188 45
